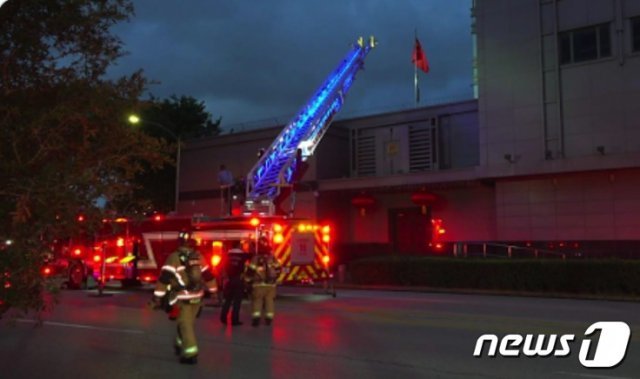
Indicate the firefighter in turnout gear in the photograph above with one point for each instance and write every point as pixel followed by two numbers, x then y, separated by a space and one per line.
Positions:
pixel 182 281
pixel 233 268
pixel 263 271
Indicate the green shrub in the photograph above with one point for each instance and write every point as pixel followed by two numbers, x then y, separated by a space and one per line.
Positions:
pixel 612 277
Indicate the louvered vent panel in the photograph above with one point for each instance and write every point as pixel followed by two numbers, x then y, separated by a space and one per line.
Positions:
pixel 420 148
pixel 366 156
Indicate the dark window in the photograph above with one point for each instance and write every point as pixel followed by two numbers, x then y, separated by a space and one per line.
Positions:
pixel 565 48
pixel 585 44
pixel 635 34
pixel 604 40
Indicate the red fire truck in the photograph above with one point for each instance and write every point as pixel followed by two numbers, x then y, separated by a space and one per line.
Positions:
pixel 126 250
pixel 133 252
pixel 302 247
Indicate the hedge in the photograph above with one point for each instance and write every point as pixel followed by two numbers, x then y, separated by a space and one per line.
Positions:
pixel 611 277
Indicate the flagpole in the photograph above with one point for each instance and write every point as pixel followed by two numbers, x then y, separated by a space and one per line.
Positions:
pixel 415 84
pixel 415 74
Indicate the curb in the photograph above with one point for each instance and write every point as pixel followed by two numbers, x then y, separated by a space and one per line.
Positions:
pixel 464 291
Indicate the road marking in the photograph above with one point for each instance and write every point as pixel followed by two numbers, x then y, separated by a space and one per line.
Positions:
pixel 80 326
pixel 592 375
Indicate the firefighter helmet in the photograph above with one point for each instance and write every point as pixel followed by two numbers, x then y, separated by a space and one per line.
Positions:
pixel 264 247
pixel 184 237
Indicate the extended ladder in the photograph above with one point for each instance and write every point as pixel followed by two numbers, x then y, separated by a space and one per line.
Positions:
pixel 277 167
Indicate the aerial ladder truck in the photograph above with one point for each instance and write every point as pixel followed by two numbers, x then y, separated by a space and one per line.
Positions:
pixel 303 247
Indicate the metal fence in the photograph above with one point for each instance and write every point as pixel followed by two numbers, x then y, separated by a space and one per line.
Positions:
pixel 497 250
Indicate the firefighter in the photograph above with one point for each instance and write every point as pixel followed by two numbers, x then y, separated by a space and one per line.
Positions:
pixel 181 286
pixel 263 271
pixel 234 286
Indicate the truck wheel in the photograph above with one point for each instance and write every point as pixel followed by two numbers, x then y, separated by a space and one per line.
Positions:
pixel 76 276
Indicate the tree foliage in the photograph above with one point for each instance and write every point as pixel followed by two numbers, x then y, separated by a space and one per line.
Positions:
pixel 181 117
pixel 63 137
pixel 185 116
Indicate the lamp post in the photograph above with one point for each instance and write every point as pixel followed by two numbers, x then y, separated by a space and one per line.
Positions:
pixel 135 119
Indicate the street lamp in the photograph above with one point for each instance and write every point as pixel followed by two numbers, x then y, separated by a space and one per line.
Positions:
pixel 135 119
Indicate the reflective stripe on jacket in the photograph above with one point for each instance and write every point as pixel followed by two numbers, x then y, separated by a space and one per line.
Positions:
pixel 173 276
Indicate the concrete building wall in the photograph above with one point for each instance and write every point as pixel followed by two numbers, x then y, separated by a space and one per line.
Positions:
pixel 415 140
pixel 535 108
pixel 559 135
pixel 467 211
pixel 586 206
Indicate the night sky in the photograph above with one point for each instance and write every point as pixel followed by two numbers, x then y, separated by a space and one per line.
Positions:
pixel 255 62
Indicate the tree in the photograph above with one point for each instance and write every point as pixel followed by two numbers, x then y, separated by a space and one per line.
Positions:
pixel 184 117
pixel 64 140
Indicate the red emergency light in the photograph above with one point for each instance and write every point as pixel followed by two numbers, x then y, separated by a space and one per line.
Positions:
pixel 215 260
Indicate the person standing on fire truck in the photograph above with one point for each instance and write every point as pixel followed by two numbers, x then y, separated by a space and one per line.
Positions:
pixel 234 286
pixel 263 272
pixel 181 284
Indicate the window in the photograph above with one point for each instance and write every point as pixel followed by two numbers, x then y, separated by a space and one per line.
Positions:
pixel 635 34
pixel 585 44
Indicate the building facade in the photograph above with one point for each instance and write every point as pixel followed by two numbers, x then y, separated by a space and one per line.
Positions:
pixel 559 134
pixel 547 156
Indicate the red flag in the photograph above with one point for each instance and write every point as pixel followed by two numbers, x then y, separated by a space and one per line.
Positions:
pixel 419 59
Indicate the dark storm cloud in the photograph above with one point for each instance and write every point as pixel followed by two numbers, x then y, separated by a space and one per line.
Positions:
pixel 252 60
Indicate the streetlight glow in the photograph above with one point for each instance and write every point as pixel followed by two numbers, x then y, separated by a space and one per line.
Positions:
pixel 134 119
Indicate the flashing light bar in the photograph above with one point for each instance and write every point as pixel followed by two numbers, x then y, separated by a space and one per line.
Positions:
pixel 215 260
pixel 127 259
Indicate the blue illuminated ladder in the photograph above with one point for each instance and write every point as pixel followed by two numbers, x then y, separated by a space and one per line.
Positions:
pixel 277 166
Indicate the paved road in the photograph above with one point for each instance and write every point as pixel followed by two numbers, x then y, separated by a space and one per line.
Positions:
pixel 359 334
